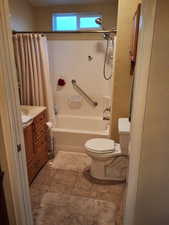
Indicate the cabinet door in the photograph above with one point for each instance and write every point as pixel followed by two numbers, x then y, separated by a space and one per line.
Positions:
pixel 28 136
pixel 35 145
pixel 40 133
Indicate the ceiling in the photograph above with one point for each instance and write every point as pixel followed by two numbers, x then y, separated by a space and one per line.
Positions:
pixel 62 2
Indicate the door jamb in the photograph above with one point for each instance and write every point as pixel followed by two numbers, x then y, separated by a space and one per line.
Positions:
pixel 13 162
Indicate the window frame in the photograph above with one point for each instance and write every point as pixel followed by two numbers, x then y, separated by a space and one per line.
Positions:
pixel 78 16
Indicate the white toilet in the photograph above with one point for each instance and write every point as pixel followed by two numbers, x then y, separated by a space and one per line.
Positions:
pixel 109 159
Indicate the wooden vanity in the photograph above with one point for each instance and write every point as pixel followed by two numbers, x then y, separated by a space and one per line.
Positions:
pixel 35 135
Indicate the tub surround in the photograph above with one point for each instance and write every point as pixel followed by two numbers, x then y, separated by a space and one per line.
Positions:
pixel 76 119
pixel 87 73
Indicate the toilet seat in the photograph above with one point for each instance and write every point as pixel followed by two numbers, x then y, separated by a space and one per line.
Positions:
pixel 100 145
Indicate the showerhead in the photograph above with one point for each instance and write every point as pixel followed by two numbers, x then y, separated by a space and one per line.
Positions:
pixel 99 21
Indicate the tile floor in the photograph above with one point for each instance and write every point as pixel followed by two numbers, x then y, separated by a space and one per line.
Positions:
pixel 63 177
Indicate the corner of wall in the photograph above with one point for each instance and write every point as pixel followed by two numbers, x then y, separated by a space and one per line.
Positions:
pixel 122 78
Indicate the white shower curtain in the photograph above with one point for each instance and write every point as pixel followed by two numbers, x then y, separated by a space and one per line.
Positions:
pixel 32 64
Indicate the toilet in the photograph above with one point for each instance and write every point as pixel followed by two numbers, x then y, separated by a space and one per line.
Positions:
pixel 110 159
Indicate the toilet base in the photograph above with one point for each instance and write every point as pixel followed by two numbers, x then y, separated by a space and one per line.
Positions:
pixel 88 176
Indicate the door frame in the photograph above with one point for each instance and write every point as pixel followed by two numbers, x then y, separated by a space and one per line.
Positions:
pixel 12 160
pixel 146 35
pixel 13 163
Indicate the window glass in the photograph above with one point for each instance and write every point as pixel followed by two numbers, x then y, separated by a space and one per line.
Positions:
pixel 88 22
pixel 66 23
pixel 74 21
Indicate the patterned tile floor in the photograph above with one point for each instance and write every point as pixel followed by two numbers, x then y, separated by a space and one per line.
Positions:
pixel 64 175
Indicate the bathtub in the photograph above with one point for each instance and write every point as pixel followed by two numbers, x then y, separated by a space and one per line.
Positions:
pixel 71 132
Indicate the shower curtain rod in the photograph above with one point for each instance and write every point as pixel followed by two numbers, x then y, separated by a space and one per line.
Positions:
pixel 66 32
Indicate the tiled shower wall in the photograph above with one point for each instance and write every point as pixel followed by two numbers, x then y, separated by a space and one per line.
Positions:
pixel 69 59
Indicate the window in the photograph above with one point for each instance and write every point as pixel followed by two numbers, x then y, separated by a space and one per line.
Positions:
pixel 74 21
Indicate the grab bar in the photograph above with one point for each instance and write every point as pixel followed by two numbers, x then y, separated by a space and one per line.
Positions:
pixel 94 103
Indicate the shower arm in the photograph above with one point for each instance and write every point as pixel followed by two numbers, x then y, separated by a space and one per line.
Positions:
pixel 75 85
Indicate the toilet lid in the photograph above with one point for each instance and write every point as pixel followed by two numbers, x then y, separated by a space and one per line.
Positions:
pixel 100 145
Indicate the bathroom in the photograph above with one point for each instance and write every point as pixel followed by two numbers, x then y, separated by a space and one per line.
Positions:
pixel 47 175
pixel 68 95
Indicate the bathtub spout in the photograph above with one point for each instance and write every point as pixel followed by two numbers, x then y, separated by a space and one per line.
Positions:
pixel 106 118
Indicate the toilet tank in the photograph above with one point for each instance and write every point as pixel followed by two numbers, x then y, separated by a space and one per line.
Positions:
pixel 124 132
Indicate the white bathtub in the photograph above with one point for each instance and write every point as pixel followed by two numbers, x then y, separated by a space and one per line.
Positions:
pixel 72 132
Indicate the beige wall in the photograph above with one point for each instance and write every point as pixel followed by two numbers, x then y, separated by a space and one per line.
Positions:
pixel 149 137
pixel 21 15
pixel 43 17
pixel 122 78
pixel 152 202
pixel 139 105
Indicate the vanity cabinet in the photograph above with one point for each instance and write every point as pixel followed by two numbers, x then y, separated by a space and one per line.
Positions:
pixel 35 136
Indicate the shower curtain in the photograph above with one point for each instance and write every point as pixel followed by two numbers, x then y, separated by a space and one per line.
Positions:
pixel 32 65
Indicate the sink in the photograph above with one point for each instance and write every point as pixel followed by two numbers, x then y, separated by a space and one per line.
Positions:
pixel 25 110
pixel 29 112
pixel 25 118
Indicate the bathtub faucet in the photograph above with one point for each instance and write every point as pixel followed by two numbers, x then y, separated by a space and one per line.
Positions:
pixel 55 110
pixel 107 112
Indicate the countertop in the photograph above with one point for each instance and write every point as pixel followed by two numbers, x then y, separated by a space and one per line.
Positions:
pixel 31 111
